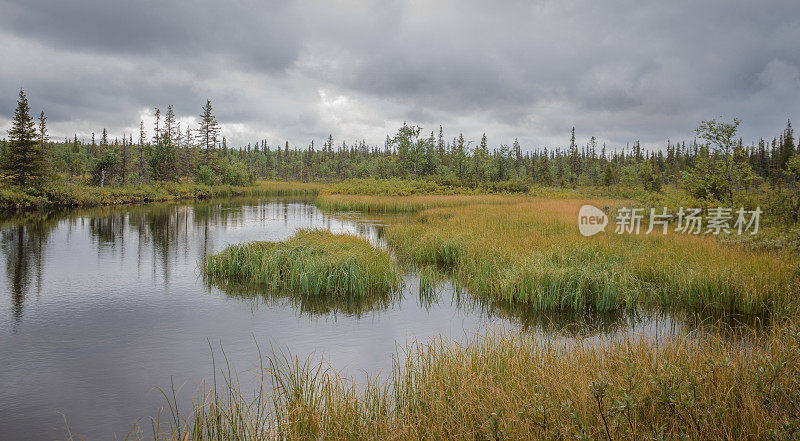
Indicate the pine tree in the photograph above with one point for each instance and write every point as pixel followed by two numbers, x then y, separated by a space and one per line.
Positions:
pixel 157 134
pixel 209 128
pixel 123 164
pixel 786 147
pixel 43 138
pixel 103 141
pixel 440 148
pixel 24 160
pixel 162 159
pixel 170 125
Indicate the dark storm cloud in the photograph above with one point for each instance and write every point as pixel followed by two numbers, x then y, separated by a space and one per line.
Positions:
pixel 621 70
pixel 247 31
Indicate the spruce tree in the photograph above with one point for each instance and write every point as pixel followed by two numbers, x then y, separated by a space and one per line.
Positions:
pixel 23 161
pixel 209 128
pixel 43 137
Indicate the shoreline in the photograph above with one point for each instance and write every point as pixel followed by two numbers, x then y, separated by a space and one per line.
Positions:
pixel 14 201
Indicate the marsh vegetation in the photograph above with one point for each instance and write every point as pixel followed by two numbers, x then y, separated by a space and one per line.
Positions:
pixel 708 381
pixel 311 264
pixel 512 386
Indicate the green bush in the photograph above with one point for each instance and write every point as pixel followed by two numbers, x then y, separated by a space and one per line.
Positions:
pixel 206 176
pixel 234 172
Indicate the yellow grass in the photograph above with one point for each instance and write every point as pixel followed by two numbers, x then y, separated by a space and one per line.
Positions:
pixel 406 204
pixel 532 252
pixel 515 386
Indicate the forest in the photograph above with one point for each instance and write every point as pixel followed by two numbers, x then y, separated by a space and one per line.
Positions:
pixel 715 167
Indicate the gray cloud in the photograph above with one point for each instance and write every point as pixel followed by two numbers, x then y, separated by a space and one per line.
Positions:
pixel 621 71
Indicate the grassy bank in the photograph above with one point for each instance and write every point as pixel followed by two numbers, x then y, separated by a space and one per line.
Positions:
pixel 532 253
pixel 405 204
pixel 392 196
pixel 58 195
pixel 511 386
pixel 313 263
pixel 415 187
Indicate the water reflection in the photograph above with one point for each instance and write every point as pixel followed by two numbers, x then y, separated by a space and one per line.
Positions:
pixel 652 321
pixel 351 306
pixel 23 247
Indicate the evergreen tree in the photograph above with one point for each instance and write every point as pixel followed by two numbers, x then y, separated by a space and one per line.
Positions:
pixel 123 163
pixel 157 133
pixel 209 129
pixel 170 127
pixel 787 146
pixel 43 138
pixel 142 166
pixel 162 159
pixel 23 161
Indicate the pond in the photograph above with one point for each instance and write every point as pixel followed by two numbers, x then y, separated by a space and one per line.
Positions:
pixel 101 307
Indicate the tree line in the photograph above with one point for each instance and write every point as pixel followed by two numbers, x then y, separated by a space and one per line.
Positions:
pixel 714 166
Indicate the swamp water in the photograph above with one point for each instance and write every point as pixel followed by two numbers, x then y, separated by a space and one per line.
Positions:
pixel 100 307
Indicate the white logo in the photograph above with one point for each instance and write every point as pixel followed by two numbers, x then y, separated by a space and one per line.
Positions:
pixel 591 220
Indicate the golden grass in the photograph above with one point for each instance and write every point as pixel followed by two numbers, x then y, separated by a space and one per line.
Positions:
pixel 406 204
pixel 531 252
pixel 512 386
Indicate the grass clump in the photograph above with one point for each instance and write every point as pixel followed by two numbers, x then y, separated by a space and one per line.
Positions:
pixel 313 263
pixel 532 253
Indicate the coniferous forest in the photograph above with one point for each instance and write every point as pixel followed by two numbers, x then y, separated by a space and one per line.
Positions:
pixel 716 166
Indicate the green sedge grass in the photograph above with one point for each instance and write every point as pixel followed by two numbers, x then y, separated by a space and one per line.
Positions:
pixel 312 263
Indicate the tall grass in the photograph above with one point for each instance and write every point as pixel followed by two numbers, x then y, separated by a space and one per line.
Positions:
pixel 313 263
pixel 532 253
pixel 511 386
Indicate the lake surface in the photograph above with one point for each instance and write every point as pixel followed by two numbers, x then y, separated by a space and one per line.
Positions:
pixel 100 307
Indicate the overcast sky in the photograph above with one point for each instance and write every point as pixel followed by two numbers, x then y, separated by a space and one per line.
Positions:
pixel 618 70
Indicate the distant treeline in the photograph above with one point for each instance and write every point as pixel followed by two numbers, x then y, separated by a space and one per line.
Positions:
pixel 715 166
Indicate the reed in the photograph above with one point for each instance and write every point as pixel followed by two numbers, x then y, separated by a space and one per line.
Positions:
pixel 516 386
pixel 313 263
pixel 532 253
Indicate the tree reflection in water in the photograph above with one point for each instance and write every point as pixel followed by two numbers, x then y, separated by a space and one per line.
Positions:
pixel 23 244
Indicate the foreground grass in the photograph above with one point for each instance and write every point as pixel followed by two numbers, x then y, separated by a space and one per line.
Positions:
pixel 532 253
pixel 14 199
pixel 313 263
pixel 517 386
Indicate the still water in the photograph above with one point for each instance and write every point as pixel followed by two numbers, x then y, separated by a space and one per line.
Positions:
pixel 101 307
